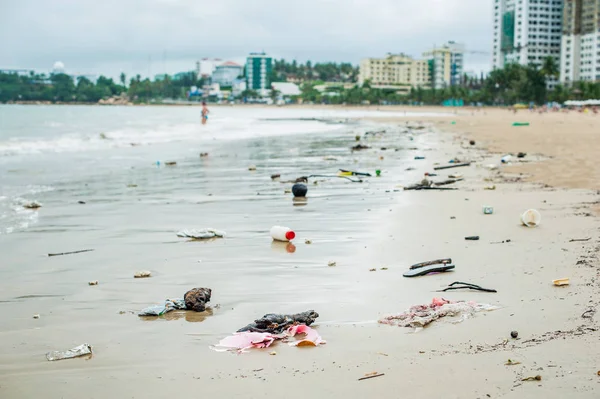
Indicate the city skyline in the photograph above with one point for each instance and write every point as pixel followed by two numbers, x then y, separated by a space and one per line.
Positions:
pixel 169 36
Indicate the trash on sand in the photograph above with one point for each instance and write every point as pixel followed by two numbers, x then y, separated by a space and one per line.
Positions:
pixel 488 210
pixel 36 316
pixel 472 238
pixel 95 282
pixel 201 234
pixel 170 163
pixel 287 191
pixel 444 261
pixel 166 307
pixel 70 253
pixel 492 166
pixel 32 205
pixel 421 315
pixel 419 158
pixel 536 378
pixel 514 334
pixel 242 341
pixel 142 274
pixel 521 155
pixel 454 165
pixel 359 147
pixel 580 239
pixel 457 285
pixel 598 372
pixel 445 182
pixel 371 375
pixel 273 353
pixel 312 337
pixel 425 270
pixel 81 202
pixel 299 190
pixel 492 187
pixel 373 270
pixel 520 124
pixel 203 154
pixel 455 176
pixel 132 185
pixel 506 159
pixel 472 142
pixel 80 350
pixel 531 218
pixel 357 137
pixel 196 299
pixel 561 282
pixel 377 172
pixel 277 323
pixel 344 172
pixel 275 176
pixel 510 362
pixel 331 263
pixel 307 241
pixel 280 233
pixel 251 167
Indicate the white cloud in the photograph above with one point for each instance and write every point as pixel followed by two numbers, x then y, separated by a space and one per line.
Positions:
pixel 110 36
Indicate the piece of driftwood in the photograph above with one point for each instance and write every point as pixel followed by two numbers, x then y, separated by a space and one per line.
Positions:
pixel 453 165
pixel 580 239
pixel 371 376
pixel 445 182
pixel 426 187
pixel 431 262
pixel 70 253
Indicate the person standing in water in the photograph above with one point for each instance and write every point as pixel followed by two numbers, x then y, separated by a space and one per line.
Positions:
pixel 205 112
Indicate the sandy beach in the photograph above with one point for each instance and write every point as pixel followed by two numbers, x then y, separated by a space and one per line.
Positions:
pixel 361 226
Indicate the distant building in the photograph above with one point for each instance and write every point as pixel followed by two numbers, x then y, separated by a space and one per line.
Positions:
pixel 258 71
pixel 286 89
pixel 58 67
pixel 395 71
pixel 226 73
pixel 206 66
pixel 526 31
pixel 580 55
pixel 446 64
pixel 238 87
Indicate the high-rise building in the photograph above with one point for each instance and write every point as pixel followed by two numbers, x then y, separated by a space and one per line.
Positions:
pixel 258 72
pixel 446 64
pixel 395 70
pixel 580 58
pixel 226 73
pixel 526 31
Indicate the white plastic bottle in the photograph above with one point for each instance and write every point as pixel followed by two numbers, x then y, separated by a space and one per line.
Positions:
pixel 281 233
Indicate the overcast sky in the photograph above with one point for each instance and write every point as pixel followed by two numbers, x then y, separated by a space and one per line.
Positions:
pixel 110 36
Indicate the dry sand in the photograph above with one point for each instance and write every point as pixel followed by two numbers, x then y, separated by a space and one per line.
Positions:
pixel 465 360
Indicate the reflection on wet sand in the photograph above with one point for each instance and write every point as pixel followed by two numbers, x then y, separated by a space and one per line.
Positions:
pixel 300 201
pixel 189 315
pixel 279 246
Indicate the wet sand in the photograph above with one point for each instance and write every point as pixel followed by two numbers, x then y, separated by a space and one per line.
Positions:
pixel 171 356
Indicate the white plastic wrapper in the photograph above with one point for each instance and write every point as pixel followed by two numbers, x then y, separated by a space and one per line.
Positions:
pixel 201 234
pixel 80 350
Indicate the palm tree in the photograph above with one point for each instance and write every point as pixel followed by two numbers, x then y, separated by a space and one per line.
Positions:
pixel 123 78
pixel 550 68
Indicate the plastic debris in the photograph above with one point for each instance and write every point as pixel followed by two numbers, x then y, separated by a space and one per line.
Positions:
pixel 521 155
pixel 196 299
pixel 275 176
pixel 421 315
pixel 307 241
pixel 277 323
pixel 71 253
pixel 281 233
pixel 492 187
pixel 202 234
pixel 431 262
pixel 242 341
pixel 331 263
pixel 472 238
pixel 506 159
pixel 36 316
pixel 32 205
pixel 536 378
pixel 142 274
pixel 561 282
pixel 170 163
pixel 80 350
pixel 273 353
pixel 312 337
pixel 488 210
pixel 95 282
pixel 511 363
pixel 167 306
pixel 251 168
pixel 453 165
pixel 531 218
pixel 359 147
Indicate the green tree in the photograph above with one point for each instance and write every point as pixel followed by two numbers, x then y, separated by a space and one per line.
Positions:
pixel 123 79
pixel 550 68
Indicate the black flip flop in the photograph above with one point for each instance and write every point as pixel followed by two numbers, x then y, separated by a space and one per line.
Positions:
pixel 422 271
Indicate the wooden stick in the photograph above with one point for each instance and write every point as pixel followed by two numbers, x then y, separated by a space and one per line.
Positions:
pixel 70 253
pixel 580 239
pixel 431 262
pixel 371 376
pixel 454 165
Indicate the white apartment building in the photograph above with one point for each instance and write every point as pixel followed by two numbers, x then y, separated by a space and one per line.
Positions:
pixel 395 70
pixel 446 64
pixel 580 58
pixel 526 31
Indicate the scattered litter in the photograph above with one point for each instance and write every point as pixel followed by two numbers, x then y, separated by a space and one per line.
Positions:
pixel 419 158
pixel 166 307
pixel 588 314
pixel 598 372
pixel 383 268
pixel 510 362
pixel 196 299
pixel 203 154
pixel 520 124
pixel 251 167
pixel 425 270
pixel 95 282
pixel 457 285
pixel 521 155
pixel 287 191
pixel 32 205
pixel 500 242
pixel 488 210
pixel 81 202
pixel 506 159
pixel 472 238
pixel 331 263
pixel 377 172
pixel 132 185
pixel 299 190
pixel 454 176
pixel 536 378
pixel 514 334
pixel 344 172
pixel 201 234
pixel 492 187
pixel 142 274
pixel 560 282
pixel 357 137
pixel 273 353
pixel 312 337
pixel 36 316
pixel 431 262
pixel 70 253
pixel 275 176
pixel 472 142
pixel 242 341
pixel 492 166
pixel 170 163
pixel 531 218
pixel 372 270
pixel 371 375
pixel 446 182
pixel 80 350
pixel 580 239
pixel 382 354
pixel 359 147
pixel 280 233
pixel 307 241
pixel 454 165
pixel 277 323
pixel 421 315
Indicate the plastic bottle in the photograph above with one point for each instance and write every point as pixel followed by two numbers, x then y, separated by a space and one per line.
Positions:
pixel 281 233
pixel 506 159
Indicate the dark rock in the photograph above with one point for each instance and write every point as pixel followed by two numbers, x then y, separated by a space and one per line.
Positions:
pixel 299 190
pixel 514 334
pixel 472 142
pixel 196 299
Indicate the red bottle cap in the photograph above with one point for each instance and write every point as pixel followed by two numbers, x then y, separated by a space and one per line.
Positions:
pixel 290 235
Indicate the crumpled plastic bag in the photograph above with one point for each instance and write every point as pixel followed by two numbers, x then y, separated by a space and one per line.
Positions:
pixel 159 310
pixel 312 337
pixel 80 350
pixel 243 341
pixel 201 234
pixel 419 316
